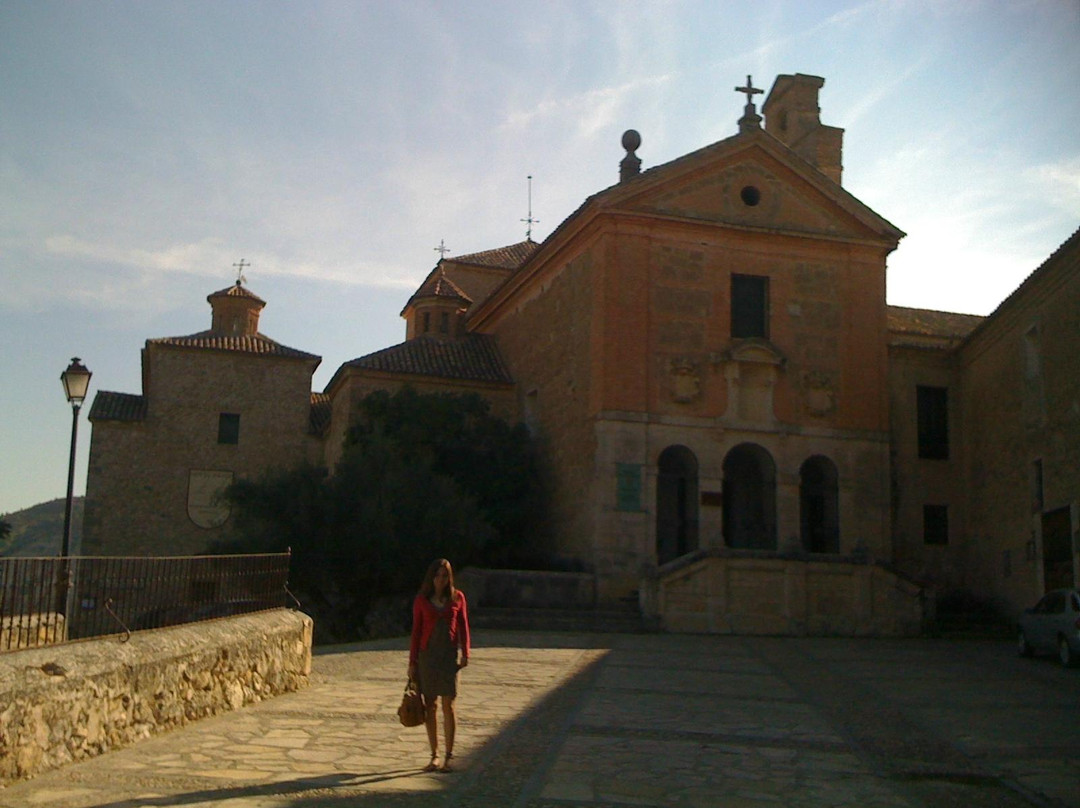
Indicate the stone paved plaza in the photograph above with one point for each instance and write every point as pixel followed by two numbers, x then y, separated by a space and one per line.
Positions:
pixel 552 720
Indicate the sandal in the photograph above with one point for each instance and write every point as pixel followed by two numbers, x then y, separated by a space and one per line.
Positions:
pixel 433 766
pixel 447 766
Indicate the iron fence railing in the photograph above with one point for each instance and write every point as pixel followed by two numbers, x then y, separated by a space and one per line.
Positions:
pixel 51 600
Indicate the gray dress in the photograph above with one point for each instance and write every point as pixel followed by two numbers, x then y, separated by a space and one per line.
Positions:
pixel 437 664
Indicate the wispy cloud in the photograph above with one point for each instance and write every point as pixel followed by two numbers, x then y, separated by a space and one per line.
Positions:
pixel 593 110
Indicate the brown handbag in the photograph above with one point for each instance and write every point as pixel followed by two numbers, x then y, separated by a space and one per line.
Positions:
pixel 411 711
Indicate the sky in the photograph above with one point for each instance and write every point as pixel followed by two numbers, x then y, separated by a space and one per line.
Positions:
pixel 147 147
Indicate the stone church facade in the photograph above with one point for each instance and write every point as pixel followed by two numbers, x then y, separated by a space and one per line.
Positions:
pixel 741 432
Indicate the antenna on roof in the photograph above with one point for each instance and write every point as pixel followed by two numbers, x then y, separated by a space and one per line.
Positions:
pixel 240 271
pixel 530 221
pixel 442 249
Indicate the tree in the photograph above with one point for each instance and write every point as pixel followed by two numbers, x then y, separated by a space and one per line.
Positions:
pixel 5 530
pixel 421 476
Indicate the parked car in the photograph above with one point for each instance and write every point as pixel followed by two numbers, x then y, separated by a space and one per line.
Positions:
pixel 1052 626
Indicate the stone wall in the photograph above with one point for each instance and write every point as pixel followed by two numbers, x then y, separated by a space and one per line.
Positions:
pixel 66 703
pixel 757 594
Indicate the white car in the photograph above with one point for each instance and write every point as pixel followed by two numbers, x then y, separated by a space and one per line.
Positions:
pixel 1052 626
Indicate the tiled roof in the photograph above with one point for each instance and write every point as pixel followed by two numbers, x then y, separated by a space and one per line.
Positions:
pixel 471 358
pixel 925 327
pixel 509 257
pixel 319 419
pixel 250 344
pixel 109 406
pixel 236 290
pixel 438 285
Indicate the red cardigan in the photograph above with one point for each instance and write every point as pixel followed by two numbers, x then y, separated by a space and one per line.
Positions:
pixel 424 617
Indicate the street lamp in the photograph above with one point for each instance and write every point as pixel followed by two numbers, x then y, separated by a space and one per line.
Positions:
pixel 76 380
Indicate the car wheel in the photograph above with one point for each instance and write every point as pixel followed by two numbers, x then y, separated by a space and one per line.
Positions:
pixel 1065 653
pixel 1023 647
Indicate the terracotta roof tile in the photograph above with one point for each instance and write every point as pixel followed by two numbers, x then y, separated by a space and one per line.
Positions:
pixel 928 328
pixel 438 285
pixel 509 257
pixel 471 358
pixel 110 406
pixel 236 290
pixel 320 414
pixel 250 344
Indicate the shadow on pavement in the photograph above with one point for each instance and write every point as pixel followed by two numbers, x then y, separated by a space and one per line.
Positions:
pixel 503 772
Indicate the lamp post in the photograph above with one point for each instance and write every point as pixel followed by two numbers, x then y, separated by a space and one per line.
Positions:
pixel 76 380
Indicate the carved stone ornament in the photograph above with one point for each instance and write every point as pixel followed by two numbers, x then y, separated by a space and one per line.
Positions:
pixel 820 393
pixel 205 506
pixel 685 379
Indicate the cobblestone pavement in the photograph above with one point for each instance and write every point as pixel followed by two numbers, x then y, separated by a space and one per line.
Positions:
pixel 550 720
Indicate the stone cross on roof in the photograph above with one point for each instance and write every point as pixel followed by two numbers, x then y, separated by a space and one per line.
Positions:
pixel 750 118
pixel 750 90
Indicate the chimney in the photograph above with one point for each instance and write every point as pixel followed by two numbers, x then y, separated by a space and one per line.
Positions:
pixel 793 117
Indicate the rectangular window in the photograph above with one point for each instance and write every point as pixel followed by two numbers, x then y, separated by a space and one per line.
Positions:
pixel 444 322
pixel 228 428
pixel 749 306
pixel 933 422
pixel 935 520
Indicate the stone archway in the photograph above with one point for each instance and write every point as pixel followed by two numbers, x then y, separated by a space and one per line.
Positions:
pixel 676 503
pixel 750 498
pixel 819 512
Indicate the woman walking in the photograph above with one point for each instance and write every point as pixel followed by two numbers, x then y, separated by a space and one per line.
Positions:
pixel 440 627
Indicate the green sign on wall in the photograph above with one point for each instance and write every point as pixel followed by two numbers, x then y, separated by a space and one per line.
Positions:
pixel 628 486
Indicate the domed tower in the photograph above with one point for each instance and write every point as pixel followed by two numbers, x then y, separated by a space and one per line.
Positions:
pixel 235 312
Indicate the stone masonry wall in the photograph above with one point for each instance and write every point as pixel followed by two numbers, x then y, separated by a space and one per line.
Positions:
pixel 66 703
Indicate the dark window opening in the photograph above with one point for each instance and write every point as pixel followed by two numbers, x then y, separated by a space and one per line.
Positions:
pixel 935 524
pixel 749 306
pixel 750 195
pixel 427 321
pixel 444 322
pixel 228 430
pixel 933 422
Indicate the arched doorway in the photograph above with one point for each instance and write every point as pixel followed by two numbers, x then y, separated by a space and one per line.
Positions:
pixel 819 513
pixel 676 503
pixel 750 498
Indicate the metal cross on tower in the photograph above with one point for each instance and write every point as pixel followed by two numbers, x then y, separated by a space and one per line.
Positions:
pixel 442 249
pixel 240 271
pixel 530 221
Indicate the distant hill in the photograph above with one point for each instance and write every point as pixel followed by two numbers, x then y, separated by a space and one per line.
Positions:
pixel 39 529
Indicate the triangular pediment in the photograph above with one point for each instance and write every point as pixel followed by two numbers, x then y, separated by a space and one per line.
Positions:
pixel 753 182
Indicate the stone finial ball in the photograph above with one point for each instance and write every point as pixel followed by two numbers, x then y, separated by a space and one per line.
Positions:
pixel 631 140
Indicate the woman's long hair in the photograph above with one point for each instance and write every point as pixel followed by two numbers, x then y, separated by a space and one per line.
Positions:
pixel 427 588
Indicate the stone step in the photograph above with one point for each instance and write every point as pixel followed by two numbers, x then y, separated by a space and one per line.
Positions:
pixel 616 620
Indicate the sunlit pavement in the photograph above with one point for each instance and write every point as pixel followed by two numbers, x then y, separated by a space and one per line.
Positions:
pixel 553 720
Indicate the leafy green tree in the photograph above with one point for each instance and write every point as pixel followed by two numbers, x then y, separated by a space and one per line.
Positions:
pixel 421 476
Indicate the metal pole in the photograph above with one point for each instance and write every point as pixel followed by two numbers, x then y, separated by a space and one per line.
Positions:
pixel 64 572
pixel 66 546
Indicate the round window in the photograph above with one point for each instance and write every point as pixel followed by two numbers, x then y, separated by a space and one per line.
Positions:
pixel 750 195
